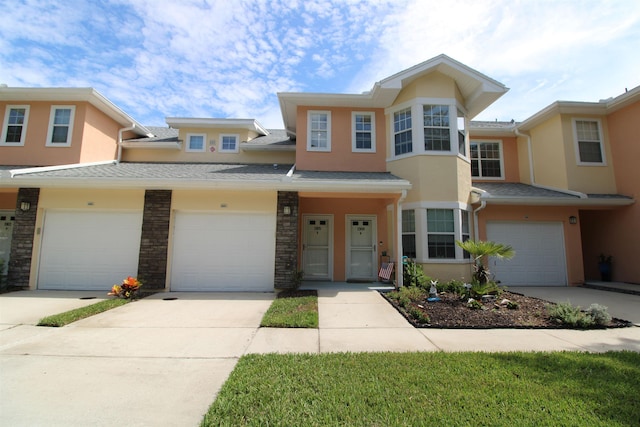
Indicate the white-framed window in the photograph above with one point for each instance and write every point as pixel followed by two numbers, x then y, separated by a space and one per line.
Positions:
pixel 402 134
pixel 409 233
pixel 14 128
pixel 465 231
pixel 196 142
pixel 441 234
pixel 486 159
pixel 60 125
pixel 363 133
pixel 319 131
pixel 462 141
pixel 437 131
pixel 229 143
pixel 588 142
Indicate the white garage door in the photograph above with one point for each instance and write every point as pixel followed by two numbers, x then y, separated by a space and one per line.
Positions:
pixel 223 252
pixel 88 250
pixel 540 253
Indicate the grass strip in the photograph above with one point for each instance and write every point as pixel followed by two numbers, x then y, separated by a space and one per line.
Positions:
pixel 440 389
pixel 292 311
pixel 70 316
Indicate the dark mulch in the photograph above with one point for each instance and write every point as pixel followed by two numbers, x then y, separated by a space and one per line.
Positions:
pixel 453 312
pixel 294 293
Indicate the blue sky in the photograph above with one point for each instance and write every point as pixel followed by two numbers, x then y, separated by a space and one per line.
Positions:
pixel 229 58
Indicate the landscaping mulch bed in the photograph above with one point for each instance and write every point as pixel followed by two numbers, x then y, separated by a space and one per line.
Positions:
pixel 452 312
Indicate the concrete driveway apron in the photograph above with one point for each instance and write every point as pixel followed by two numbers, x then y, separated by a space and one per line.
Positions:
pixel 149 363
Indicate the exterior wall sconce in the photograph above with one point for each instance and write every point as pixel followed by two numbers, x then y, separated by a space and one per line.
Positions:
pixel 573 220
pixel 286 210
pixel 25 206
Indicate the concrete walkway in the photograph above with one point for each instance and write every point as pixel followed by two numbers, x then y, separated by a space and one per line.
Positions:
pixel 162 361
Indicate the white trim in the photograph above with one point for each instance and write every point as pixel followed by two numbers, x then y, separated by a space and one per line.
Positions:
pixel 436 205
pixel 187 146
pixel 188 122
pixel 328 114
pixel 52 114
pixel 576 144
pixel 226 150
pixel 372 115
pixel 25 171
pixel 374 241
pixel 5 126
pixel 500 149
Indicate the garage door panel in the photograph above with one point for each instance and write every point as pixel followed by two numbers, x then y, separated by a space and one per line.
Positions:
pixel 223 252
pixel 540 253
pixel 88 250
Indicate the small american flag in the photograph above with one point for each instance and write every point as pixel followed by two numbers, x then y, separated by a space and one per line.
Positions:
pixel 385 270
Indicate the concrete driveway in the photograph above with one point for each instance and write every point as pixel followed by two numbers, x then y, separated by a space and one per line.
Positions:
pixel 161 361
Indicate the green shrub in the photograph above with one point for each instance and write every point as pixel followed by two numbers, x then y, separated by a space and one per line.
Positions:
pixel 599 314
pixel 513 305
pixel 453 286
pixel 414 293
pixel 569 315
pixel 474 304
pixel 418 315
pixel 488 288
pixel 413 274
pixel 404 301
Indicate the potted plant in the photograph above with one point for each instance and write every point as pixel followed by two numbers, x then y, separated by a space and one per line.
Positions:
pixel 604 265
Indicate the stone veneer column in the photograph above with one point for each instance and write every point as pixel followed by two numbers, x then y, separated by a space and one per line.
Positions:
pixel 22 239
pixel 154 242
pixel 286 240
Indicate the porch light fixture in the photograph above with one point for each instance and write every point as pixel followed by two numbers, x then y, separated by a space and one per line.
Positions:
pixel 286 210
pixel 573 220
pixel 25 206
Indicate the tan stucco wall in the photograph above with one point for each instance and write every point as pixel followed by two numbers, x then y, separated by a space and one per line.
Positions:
pixel 98 134
pixel 524 166
pixel 588 179
pixel 224 201
pixel 549 153
pixel 434 178
pixel 572 236
pixel 341 157
pixel 433 85
pixel 446 272
pixel 340 208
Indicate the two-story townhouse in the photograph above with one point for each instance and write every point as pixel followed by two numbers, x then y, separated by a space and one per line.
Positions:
pixel 51 127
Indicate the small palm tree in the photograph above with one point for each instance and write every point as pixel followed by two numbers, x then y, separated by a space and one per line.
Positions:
pixel 479 250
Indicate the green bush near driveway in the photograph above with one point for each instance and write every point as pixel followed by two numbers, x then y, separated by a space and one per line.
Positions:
pixel 70 316
pixel 440 389
pixel 292 309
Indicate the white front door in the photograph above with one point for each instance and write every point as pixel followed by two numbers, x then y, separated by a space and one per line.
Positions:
pixel 317 250
pixel 361 247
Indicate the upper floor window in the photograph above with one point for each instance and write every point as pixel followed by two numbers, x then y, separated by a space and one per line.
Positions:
pixel 409 233
pixel 437 135
pixel 363 133
pixel 402 136
pixel 319 134
pixel 15 124
pixel 196 142
pixel 60 125
pixel 441 236
pixel 486 159
pixel 588 140
pixel 228 143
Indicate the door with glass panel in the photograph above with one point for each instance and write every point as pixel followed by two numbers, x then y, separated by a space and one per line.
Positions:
pixel 317 251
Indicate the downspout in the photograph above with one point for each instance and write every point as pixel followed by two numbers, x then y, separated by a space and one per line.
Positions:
pixel 476 228
pixel 120 132
pixel 399 265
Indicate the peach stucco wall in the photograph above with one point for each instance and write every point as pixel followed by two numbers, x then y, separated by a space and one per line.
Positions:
pixel 8 199
pixel 509 157
pixel 341 157
pixel 616 232
pixel 572 236
pixel 90 126
pixel 340 208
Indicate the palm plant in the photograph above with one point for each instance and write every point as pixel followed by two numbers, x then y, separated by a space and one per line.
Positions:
pixel 480 250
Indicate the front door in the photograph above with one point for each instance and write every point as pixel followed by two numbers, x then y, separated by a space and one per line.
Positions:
pixel 6 231
pixel 317 247
pixel 361 247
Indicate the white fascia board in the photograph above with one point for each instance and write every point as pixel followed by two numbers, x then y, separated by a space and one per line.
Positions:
pixel 256 147
pixel 623 100
pixel 26 171
pixel 249 124
pixel 166 145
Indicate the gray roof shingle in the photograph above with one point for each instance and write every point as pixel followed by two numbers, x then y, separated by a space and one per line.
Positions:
pixel 513 189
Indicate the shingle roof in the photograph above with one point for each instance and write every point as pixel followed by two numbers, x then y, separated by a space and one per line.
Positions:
pixel 512 189
pixel 160 134
pixel 275 137
pixel 345 176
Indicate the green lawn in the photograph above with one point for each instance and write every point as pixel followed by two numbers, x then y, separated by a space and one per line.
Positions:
pixel 291 311
pixel 439 389
pixel 70 316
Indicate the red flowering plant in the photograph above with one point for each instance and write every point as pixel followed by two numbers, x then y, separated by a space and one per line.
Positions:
pixel 127 289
